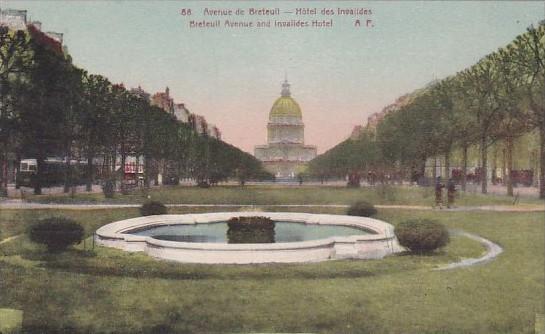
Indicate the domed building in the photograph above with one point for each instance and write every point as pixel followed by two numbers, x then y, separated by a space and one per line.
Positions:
pixel 285 152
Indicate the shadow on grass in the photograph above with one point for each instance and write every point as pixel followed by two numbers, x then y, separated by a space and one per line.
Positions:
pixel 222 272
pixel 435 253
pixel 115 263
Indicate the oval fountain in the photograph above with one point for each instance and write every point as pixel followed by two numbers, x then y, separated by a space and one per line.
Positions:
pixel 299 237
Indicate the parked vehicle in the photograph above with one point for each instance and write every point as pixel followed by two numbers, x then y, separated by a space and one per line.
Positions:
pixel 53 172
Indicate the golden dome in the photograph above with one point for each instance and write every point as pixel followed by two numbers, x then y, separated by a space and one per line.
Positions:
pixel 285 106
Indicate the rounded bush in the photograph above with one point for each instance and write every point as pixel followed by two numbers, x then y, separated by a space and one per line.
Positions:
pixel 362 209
pixel 421 235
pixel 151 208
pixel 250 230
pixel 108 188
pixel 57 233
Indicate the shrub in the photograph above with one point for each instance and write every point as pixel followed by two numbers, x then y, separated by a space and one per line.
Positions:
pixel 362 209
pixel 386 192
pixel 421 235
pixel 250 230
pixel 57 233
pixel 151 208
pixel 203 184
pixel 108 188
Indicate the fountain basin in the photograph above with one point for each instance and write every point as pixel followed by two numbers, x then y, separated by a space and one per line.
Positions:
pixel 377 243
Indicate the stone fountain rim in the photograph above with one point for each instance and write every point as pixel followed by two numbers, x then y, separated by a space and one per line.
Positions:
pixel 117 230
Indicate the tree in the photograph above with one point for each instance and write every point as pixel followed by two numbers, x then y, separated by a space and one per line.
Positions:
pixel 352 158
pixel 124 129
pixel 515 117
pixel 527 53
pixel 96 131
pixel 500 98
pixel 42 101
pixel 446 133
pixel 480 80
pixel 72 111
pixel 15 56
pixel 466 133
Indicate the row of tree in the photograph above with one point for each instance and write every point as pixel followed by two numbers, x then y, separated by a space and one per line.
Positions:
pixel 50 107
pixel 501 98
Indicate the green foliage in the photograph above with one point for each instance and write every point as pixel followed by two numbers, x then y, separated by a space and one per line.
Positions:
pixel 105 121
pixel 57 233
pixel 348 157
pixel 15 54
pixel 422 235
pixel 250 230
pixel 498 98
pixel 151 208
pixel 362 209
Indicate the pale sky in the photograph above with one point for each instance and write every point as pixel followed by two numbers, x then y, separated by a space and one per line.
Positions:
pixel 339 76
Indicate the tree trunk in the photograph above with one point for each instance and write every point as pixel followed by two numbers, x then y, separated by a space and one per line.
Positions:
pixel 493 175
pixel 504 166
pixel 484 166
pixel 137 174
pixel 422 167
pixel 89 181
pixel 67 170
pixel 147 171
pixel 509 164
pixel 156 172
pixel 542 160
pixel 3 174
pixel 464 167
pixel 163 171
pixel 434 171
pixel 4 147
pixel 37 182
pixel 447 165
pixel 113 163
pixel 122 172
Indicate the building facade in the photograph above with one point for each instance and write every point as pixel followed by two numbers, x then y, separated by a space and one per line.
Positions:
pixel 214 132
pixel 181 113
pixel 141 93
pixel 285 153
pixel 163 101
pixel 14 19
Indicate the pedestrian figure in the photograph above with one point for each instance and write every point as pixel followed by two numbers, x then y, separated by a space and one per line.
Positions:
pixel 439 192
pixel 451 192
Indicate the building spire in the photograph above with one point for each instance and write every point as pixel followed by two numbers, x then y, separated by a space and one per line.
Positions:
pixel 286 87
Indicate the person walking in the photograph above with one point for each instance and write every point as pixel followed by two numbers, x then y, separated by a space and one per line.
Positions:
pixel 451 192
pixel 439 192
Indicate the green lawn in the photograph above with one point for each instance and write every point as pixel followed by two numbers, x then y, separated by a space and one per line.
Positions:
pixel 275 195
pixel 10 320
pixel 113 291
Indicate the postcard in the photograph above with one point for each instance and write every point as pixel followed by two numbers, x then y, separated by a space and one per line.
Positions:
pixel 272 166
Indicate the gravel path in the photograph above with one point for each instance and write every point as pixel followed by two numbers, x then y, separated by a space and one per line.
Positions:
pixel 492 251
pixel 10 239
pixel 21 205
